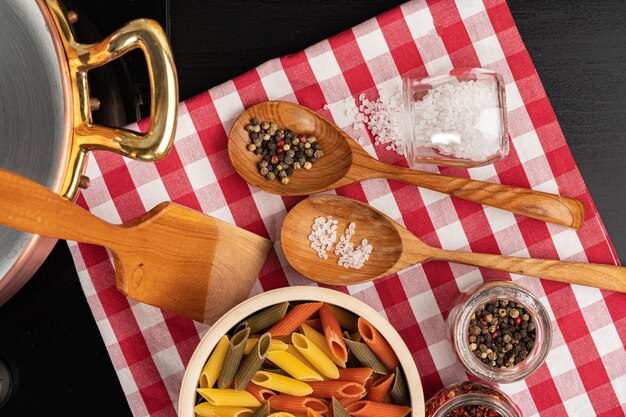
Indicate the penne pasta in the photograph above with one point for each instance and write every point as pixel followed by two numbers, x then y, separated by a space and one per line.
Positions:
pixel 228 397
pixel 275 371
pixel 282 384
pixel 358 375
pixel 262 411
pixel 233 358
pixel 377 343
pixel 366 357
pixel 315 324
pixel 399 393
pixel 208 410
pixel 347 320
pixel 315 356
pixel 281 414
pixel 294 319
pixel 212 368
pixel 379 389
pixel 337 389
pixel 374 409
pixel 276 345
pixel 348 400
pixel 266 318
pixel 297 405
pixel 293 366
pixel 319 340
pixel 260 393
pixel 332 332
pixel 295 352
pixel 338 409
pixel 252 363
pixel 312 413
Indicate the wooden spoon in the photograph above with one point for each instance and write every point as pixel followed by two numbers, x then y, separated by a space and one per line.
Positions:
pixel 345 162
pixel 395 248
pixel 173 257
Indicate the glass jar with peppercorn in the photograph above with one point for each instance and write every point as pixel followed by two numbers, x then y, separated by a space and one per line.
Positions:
pixel 499 331
pixel 471 399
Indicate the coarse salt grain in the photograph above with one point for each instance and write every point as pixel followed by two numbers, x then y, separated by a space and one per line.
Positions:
pixel 323 235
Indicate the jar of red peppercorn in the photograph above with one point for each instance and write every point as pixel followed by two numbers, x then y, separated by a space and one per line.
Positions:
pixel 499 331
pixel 471 399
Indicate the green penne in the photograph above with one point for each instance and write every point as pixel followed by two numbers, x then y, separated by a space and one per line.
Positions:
pixel 365 356
pixel 253 362
pixel 266 318
pixel 275 371
pixel 262 411
pixel 399 393
pixel 233 358
pixel 338 410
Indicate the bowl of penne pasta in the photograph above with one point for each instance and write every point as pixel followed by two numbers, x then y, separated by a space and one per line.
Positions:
pixel 301 351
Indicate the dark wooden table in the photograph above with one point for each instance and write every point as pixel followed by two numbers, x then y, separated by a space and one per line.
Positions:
pixel 577 47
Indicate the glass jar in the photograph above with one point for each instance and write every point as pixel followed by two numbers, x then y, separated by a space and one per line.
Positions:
pixel 471 394
pixel 455 119
pixel 458 323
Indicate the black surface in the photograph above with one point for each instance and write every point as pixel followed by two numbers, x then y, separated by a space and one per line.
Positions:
pixel 577 47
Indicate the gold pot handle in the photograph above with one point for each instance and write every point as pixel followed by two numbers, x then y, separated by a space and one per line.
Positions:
pixel 153 145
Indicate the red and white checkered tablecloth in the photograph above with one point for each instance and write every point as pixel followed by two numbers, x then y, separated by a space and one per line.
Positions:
pixel 585 373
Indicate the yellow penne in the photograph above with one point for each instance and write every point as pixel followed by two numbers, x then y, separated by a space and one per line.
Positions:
pixel 212 368
pixel 276 345
pixel 228 397
pixel 208 410
pixel 293 366
pixel 295 352
pixel 282 384
pixel 319 340
pixel 320 360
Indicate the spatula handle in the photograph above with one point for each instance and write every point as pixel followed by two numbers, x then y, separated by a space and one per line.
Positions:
pixel 551 208
pixel 608 277
pixel 30 207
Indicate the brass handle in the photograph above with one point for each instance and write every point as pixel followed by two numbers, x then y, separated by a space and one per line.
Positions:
pixel 156 142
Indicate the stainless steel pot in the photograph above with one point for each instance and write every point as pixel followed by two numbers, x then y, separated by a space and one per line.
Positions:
pixel 45 120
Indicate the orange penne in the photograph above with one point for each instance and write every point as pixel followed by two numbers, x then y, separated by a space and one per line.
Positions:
pixel 297 405
pixel 316 324
pixel 312 413
pixel 374 409
pixel 293 319
pixel 377 344
pixel 348 400
pixel 358 375
pixel 260 393
pixel 379 389
pixel 337 389
pixel 332 331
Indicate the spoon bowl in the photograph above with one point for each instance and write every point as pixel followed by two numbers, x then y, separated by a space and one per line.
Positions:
pixel 395 248
pixel 345 162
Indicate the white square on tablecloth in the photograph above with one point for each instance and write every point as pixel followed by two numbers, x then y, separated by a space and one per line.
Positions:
pixel 424 306
pixel 168 361
pixel 439 65
pixel 229 107
pixel 127 380
pixel 152 193
pixel 560 361
pixel 372 44
pixel 468 8
pixel 223 214
pixel 429 196
pixel 146 315
pixel 325 66
pixel 420 23
pixel 514 387
pixel 107 211
pixel 277 85
pixel 528 146
pixel 386 204
pixel 484 173
pixel 200 173
pixel 184 126
pixel 442 354
pixel 549 186
pixel 567 244
pixel 619 385
pixel 499 219
pixel 513 98
pixel 488 50
pixel 268 205
pixel 452 236
pixel 606 339
pixel 579 406
pixel 586 296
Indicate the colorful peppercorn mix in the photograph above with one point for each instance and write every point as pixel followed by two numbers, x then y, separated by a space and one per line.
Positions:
pixel 470 399
pixel 282 151
pixel 501 333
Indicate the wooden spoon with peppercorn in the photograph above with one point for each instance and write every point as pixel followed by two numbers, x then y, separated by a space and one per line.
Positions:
pixel 344 162
pixel 394 248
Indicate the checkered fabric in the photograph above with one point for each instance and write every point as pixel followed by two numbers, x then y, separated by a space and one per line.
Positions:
pixel 585 373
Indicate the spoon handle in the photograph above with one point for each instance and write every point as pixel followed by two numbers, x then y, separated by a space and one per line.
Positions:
pixel 608 277
pixel 550 208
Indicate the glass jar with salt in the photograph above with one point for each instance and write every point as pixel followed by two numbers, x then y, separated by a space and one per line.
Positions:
pixel 455 119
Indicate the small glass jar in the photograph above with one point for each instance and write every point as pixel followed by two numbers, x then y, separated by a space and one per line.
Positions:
pixel 458 323
pixel 455 119
pixel 494 403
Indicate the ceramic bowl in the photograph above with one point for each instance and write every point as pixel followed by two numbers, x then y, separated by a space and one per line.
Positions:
pixel 187 398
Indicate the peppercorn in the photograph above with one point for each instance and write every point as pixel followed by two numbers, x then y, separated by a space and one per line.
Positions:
pixel 257 129
pixel 289 171
pixel 296 166
pixel 250 128
pixel 265 125
pixel 309 152
pixel 264 171
pixel 307 146
pixel 284 180
pixel 274 159
pixel 255 121
pixel 286 147
pixel 270 175
pixel 308 165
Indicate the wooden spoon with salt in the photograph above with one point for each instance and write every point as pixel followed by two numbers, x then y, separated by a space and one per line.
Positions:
pixel 345 162
pixel 395 248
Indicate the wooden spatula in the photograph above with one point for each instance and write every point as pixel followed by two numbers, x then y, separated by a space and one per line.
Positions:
pixel 173 257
